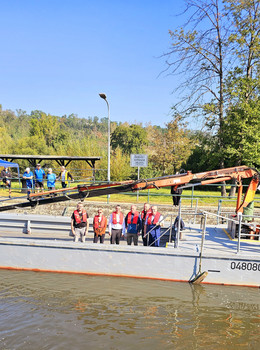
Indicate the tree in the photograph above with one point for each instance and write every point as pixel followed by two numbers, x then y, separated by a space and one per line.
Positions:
pixel 173 149
pixel 217 53
pixel 197 57
pixel 242 124
pixel 203 156
pixel 120 166
pixel 48 127
pixel 130 138
pixel 5 140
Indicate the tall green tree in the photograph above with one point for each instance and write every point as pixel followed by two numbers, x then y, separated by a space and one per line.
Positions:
pixel 130 138
pixel 216 53
pixel 242 124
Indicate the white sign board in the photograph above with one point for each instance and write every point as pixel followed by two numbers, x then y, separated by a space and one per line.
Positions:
pixel 138 160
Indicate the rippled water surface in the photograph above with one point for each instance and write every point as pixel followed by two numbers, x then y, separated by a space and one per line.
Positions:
pixel 60 311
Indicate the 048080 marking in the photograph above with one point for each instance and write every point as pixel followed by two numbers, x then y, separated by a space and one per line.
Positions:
pixel 245 266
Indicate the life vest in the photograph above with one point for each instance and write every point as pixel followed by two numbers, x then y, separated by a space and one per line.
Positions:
pixel 121 218
pixel 155 220
pixel 142 213
pixel 135 218
pixel 77 216
pixel 99 224
pixel 65 177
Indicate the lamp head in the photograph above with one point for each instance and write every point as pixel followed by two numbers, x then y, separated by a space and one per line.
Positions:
pixel 103 96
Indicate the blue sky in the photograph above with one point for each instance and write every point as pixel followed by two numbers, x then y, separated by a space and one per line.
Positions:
pixel 58 55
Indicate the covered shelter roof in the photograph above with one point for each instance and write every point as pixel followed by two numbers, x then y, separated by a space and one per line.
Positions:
pixel 61 160
pixel 7 164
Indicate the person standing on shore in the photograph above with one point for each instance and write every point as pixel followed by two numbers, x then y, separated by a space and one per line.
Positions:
pixel 116 225
pixel 64 175
pixel 39 176
pixel 51 178
pixel 79 223
pixel 99 226
pixel 6 178
pixel 28 175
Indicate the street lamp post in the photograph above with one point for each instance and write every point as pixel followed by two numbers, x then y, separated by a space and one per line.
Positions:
pixel 108 138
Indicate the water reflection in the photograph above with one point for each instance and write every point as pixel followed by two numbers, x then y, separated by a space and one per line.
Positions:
pixel 56 311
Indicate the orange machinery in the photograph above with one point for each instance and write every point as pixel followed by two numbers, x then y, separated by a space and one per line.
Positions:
pixel 178 180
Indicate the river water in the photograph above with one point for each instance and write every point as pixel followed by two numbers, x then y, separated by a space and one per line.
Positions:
pixel 61 311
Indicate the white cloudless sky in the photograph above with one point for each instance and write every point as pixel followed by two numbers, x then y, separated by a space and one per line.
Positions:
pixel 58 55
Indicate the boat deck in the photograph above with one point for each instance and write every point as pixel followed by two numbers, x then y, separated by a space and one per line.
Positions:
pixel 216 240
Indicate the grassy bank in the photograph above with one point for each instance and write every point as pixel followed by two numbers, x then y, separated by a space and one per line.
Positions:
pixel 162 196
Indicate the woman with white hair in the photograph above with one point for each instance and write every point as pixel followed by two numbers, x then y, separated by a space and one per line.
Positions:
pixel 28 175
pixel 51 178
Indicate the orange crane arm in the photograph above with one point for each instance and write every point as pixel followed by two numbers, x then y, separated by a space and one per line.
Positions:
pixel 93 190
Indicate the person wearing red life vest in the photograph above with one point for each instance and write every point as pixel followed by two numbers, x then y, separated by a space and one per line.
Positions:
pixel 99 226
pixel 79 223
pixel 143 215
pixel 133 226
pixel 153 222
pixel 116 225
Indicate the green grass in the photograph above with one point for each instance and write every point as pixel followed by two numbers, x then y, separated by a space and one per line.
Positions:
pixel 154 196
pixel 163 196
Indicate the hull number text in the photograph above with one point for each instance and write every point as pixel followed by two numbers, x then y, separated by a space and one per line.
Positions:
pixel 245 266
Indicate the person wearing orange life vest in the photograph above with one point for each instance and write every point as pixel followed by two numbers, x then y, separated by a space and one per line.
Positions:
pixel 116 225
pixel 99 226
pixel 133 226
pixel 143 215
pixel 153 222
pixel 79 223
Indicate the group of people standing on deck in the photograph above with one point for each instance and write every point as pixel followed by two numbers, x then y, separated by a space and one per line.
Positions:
pixel 146 223
pixel 36 178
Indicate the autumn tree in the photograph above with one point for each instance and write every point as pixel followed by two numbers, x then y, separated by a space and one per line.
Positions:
pixel 173 149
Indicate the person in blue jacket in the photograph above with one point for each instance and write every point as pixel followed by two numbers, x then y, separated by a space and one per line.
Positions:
pixel 51 178
pixel 39 176
pixel 28 175
pixel 133 225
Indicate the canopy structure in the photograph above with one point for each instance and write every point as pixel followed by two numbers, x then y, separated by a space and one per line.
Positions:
pixel 61 160
pixel 7 164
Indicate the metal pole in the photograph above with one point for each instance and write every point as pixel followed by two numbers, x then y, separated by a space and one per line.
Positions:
pixel 170 236
pixel 196 210
pixel 192 196
pixel 138 176
pixel 239 231
pixel 177 238
pixel 103 96
pixel 108 147
pixel 219 210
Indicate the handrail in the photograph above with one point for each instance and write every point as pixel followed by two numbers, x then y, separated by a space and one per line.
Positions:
pixel 160 236
pixel 240 223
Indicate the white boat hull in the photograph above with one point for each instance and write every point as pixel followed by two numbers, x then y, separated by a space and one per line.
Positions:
pixel 129 261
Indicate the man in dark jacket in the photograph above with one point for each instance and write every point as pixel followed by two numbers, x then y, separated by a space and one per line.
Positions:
pixel 133 226
pixel 6 177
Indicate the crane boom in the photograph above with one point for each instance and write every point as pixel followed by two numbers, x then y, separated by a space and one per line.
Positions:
pixel 178 180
